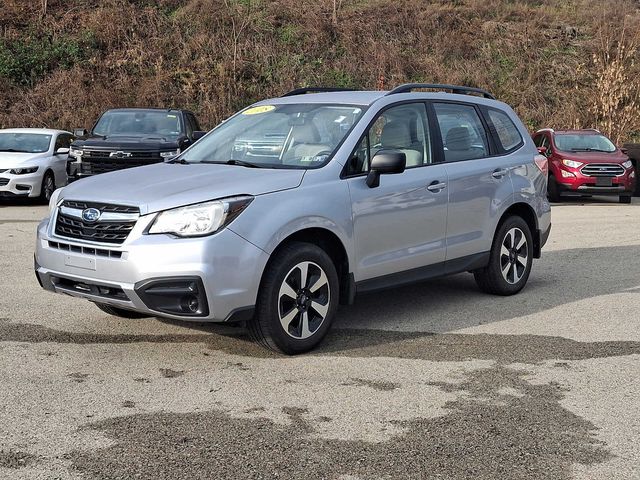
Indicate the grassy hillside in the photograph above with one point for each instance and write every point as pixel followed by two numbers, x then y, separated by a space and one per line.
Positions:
pixel 560 63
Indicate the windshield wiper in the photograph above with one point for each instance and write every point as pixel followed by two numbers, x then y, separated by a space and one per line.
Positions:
pixel 13 150
pixel 242 163
pixel 181 161
pixel 590 150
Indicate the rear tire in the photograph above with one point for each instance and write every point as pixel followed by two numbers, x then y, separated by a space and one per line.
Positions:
pixel 48 187
pixel 625 199
pixel 553 191
pixel 297 300
pixel 510 259
pixel 120 312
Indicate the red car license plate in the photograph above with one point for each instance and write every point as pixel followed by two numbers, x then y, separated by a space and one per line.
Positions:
pixel 604 182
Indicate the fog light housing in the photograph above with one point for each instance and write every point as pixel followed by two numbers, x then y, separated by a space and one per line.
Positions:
pixel 180 296
pixel 566 174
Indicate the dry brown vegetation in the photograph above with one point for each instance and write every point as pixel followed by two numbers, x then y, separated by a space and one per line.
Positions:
pixel 559 63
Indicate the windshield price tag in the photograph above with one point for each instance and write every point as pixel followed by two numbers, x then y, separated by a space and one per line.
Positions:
pixel 257 110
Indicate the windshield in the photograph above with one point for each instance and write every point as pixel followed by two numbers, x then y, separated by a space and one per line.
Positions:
pixel 139 124
pixel 584 143
pixel 24 142
pixel 277 136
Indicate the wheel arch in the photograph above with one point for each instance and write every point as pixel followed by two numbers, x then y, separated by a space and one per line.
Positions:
pixel 334 247
pixel 527 213
pixel 47 170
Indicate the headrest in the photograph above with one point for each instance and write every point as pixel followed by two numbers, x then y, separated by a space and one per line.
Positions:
pixel 395 135
pixel 458 138
pixel 307 133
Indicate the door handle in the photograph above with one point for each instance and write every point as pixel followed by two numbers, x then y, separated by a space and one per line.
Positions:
pixel 436 186
pixel 499 173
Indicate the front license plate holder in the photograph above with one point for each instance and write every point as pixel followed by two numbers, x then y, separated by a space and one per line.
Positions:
pixel 604 182
pixel 86 263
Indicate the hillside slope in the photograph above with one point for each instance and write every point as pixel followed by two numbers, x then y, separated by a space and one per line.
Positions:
pixel 560 63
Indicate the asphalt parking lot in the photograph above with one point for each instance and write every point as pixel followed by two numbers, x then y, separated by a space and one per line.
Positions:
pixel 436 380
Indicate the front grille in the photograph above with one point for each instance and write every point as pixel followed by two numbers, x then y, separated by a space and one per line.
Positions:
pixel 95 161
pixel 602 170
pixel 111 231
pixel 4 181
pixel 103 207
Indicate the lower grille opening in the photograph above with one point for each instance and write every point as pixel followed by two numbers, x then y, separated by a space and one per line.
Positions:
pixel 105 291
pixel 100 252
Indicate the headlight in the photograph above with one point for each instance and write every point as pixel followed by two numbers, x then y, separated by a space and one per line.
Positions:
pixel 572 163
pixel 23 171
pixel 172 153
pixel 75 153
pixel 200 219
pixel 53 202
pixel 628 164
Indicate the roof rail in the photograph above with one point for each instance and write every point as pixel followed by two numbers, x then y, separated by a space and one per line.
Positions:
pixel 303 90
pixel 407 87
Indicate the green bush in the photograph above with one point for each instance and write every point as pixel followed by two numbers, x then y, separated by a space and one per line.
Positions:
pixel 24 61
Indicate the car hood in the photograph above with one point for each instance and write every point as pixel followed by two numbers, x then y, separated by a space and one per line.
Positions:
pixel 120 142
pixel 595 157
pixel 16 159
pixel 162 186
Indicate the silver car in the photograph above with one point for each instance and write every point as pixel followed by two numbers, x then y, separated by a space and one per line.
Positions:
pixel 357 191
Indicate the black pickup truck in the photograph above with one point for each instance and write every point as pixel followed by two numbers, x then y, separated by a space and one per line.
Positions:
pixel 131 137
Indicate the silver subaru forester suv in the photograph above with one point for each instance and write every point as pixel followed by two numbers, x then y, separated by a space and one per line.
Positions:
pixel 296 204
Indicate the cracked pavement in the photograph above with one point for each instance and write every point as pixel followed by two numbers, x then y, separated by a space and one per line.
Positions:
pixel 434 380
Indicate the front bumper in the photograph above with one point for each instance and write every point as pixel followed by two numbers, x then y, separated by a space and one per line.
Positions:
pixel 227 267
pixel 20 185
pixel 582 184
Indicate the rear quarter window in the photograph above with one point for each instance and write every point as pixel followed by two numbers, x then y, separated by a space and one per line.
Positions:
pixel 507 133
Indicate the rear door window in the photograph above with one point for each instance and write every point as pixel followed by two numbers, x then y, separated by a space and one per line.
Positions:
pixel 463 134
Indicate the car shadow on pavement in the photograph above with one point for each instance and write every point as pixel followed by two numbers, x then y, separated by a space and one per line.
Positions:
pixel 450 304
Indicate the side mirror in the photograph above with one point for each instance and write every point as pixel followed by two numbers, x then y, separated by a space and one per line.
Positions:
pixel 385 162
pixel 198 134
pixel 624 150
pixel 62 151
pixel 80 132
pixel 542 151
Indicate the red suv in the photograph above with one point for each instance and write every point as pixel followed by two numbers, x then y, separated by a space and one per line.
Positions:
pixel 585 162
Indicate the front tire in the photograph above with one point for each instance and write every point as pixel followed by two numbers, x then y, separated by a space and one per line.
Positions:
pixel 510 259
pixel 48 187
pixel 120 312
pixel 297 300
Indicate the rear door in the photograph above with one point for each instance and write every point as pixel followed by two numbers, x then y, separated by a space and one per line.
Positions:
pixel 480 185
pixel 400 225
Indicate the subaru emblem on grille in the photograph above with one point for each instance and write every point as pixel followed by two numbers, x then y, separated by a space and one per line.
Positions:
pixel 120 154
pixel 90 215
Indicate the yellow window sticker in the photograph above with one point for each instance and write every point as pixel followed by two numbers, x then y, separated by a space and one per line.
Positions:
pixel 260 109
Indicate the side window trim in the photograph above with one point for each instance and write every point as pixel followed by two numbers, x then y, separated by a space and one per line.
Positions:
pixel 425 103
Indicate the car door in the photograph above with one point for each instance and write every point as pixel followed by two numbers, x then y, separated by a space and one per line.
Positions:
pixel 479 182
pixel 59 160
pixel 400 225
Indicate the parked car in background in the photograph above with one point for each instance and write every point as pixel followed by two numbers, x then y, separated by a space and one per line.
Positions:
pixel 585 162
pixel 632 150
pixel 365 190
pixel 33 161
pixel 131 137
